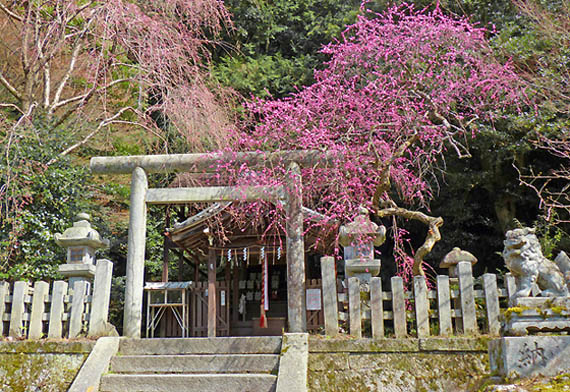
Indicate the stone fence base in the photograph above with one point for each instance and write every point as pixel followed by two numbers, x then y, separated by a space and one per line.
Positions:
pixel 397 365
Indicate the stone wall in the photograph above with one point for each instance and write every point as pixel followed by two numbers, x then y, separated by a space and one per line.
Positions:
pixel 46 366
pixel 397 365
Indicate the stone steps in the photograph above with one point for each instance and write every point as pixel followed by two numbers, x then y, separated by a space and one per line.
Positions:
pixel 241 364
pixel 201 363
pixel 224 345
pixel 188 382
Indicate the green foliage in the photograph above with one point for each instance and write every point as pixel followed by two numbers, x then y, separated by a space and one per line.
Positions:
pixel 154 243
pixel 123 147
pixel 549 237
pixel 278 43
pixel 117 302
pixel 37 201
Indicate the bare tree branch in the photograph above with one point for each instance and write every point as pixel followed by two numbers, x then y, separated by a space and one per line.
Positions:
pixel 10 88
pixel 433 234
pixel 66 76
pixel 102 124
pixel 10 13
pixel 68 101
pixel 11 105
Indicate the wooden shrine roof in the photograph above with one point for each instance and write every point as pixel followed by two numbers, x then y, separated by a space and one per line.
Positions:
pixel 192 233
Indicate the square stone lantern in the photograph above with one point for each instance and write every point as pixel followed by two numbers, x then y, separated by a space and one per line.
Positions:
pixel 81 241
pixel 358 240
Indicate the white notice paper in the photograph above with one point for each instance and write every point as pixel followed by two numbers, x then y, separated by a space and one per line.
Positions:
pixel 313 299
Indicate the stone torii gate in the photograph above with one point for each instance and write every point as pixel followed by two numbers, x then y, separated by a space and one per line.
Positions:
pixel 141 195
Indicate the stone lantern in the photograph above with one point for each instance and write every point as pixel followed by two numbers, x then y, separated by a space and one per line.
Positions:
pixel 453 258
pixel 358 239
pixel 81 241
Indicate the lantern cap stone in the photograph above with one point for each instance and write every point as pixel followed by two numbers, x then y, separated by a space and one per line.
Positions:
pixel 455 257
pixel 81 234
pixel 359 227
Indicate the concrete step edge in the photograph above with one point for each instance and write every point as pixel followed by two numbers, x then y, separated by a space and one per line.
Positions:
pixel 203 383
pixel 222 345
pixel 202 363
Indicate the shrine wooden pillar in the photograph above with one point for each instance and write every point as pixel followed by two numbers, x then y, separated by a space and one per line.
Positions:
pixel 212 300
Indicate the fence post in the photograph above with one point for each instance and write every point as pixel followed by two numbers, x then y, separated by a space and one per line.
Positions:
pixel 18 309
pixel 101 298
pixel 77 308
pixel 398 307
pixel 376 308
pixel 422 306
pixel 330 300
pixel 59 290
pixel 444 305
pixel 4 291
pixel 354 307
pixel 41 290
pixel 492 303
pixel 511 286
pixel 467 295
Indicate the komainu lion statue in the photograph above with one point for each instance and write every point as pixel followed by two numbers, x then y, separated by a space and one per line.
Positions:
pixel 524 259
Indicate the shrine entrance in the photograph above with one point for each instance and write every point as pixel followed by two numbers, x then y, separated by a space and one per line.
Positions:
pixel 216 321
pixel 250 272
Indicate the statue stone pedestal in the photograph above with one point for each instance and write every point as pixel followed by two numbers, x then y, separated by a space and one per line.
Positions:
pixel 538 314
pixel 530 356
pixel 364 270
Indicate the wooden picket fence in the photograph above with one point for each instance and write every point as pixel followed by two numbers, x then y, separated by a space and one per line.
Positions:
pixel 461 306
pixel 33 311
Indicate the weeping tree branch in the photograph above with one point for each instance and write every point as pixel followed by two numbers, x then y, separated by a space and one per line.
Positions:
pixel 433 234
pixel 384 183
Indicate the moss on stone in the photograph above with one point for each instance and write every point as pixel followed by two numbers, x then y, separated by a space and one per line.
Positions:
pixel 45 372
pixel 517 310
pixel 479 343
pixel 557 384
pixel 47 346
pixel 391 370
pixel 47 366
pixel 317 344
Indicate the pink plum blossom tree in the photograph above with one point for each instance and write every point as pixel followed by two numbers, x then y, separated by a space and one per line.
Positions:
pixel 400 89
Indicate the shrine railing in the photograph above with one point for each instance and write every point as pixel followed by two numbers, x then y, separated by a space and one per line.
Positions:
pixel 35 311
pixel 454 306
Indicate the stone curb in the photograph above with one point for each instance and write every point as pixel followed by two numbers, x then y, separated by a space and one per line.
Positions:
pixel 409 345
pixel 320 345
pixel 96 364
pixel 46 347
pixel 294 363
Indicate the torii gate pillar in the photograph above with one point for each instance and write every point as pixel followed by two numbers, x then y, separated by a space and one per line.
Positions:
pixel 132 322
pixel 297 313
